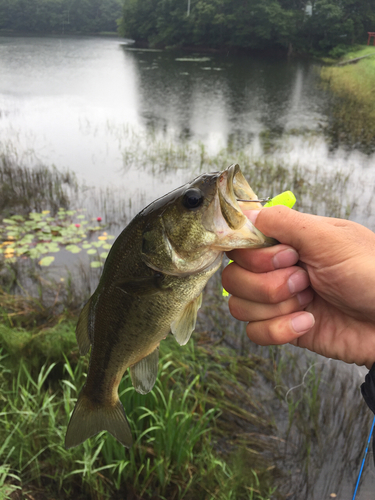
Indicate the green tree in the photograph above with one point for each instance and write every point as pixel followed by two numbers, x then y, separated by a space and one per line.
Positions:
pixel 60 16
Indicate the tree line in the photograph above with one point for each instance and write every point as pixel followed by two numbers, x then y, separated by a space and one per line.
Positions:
pixel 303 25
pixel 315 26
pixel 60 16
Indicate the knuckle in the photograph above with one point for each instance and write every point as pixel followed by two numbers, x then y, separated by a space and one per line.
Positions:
pixel 276 332
pixel 232 306
pixel 272 293
pixel 276 286
pixel 226 279
pixel 235 308
pixel 252 331
pixel 288 307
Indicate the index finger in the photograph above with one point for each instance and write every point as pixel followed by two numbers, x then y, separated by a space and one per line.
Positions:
pixel 263 260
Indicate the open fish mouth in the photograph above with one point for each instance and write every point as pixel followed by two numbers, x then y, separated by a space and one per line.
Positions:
pixel 233 186
pixel 233 228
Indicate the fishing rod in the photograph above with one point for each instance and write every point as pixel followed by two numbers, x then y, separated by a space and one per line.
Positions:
pixel 368 393
pixel 364 459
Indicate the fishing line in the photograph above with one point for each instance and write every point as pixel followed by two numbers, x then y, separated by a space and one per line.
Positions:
pixel 364 459
pixel 304 376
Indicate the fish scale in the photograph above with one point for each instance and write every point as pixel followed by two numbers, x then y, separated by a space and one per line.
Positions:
pixel 151 285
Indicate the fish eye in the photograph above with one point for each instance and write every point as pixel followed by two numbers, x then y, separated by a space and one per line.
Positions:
pixel 193 198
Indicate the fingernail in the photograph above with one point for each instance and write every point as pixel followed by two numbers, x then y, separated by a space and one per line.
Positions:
pixel 252 215
pixel 298 281
pixel 285 258
pixel 303 322
pixel 305 297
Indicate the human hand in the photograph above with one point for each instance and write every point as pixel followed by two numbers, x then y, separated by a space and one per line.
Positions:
pixel 326 303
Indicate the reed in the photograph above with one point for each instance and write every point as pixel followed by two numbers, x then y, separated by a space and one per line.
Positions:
pixel 177 429
pixel 24 189
pixel 222 421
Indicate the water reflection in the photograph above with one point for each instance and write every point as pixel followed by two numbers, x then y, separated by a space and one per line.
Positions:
pixel 57 94
pixel 227 94
pixel 130 122
pixel 116 116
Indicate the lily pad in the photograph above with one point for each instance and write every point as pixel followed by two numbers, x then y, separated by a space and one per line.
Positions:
pixel 96 263
pixel 53 247
pixel 42 234
pixel 22 250
pixel 73 248
pixel 46 261
pixel 35 216
pixel 34 253
pixel 28 238
pixel 41 248
pixel 98 244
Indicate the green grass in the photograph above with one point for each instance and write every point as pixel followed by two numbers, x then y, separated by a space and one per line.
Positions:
pixel 181 450
pixel 208 428
pixel 359 51
pixel 354 111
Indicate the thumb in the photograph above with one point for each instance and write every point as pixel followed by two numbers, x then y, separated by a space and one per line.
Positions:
pixel 290 227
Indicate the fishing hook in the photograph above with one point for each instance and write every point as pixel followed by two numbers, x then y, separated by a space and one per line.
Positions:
pixel 262 200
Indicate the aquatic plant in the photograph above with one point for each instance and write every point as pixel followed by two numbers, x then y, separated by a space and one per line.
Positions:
pixel 180 429
pixel 24 189
pixel 257 432
pixel 41 234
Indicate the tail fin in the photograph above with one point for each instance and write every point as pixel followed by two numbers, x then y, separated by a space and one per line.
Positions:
pixel 88 419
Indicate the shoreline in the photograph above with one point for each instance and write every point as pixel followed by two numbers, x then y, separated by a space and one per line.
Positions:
pixel 142 44
pixel 32 34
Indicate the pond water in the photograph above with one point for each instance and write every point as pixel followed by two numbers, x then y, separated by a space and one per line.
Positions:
pixel 133 124
pixel 95 105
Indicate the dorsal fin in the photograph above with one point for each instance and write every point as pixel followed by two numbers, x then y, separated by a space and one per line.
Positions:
pixel 184 325
pixel 82 330
pixel 145 372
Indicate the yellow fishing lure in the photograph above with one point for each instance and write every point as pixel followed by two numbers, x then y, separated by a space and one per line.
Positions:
pixel 286 198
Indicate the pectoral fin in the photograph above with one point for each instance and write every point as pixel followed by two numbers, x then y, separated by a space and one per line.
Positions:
pixel 82 330
pixel 144 373
pixel 184 325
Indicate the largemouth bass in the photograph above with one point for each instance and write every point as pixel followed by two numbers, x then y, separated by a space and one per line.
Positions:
pixel 151 285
